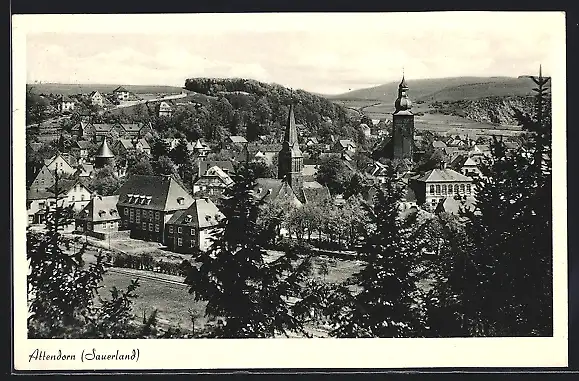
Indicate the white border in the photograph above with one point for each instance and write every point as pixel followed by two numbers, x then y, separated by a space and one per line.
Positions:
pixel 283 353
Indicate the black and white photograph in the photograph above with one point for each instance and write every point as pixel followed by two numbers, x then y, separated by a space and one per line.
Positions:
pixel 385 176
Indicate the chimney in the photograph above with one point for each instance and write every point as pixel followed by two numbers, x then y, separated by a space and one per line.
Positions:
pixel 442 165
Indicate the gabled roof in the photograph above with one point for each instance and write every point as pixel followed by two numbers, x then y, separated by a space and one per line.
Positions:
pixel 44 175
pixel 83 144
pixel 345 143
pixel 126 143
pixel 271 189
pixel 440 175
pixel 100 209
pixel 120 89
pixel 35 194
pixel 215 171
pixel 131 127
pixel 154 192
pixel 35 146
pixel 65 185
pixel 469 162
pixel 202 213
pixel 144 143
pixel 93 93
pixel 204 165
pixel 103 127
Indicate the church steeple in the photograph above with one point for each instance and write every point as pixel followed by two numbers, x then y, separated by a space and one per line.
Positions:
pixel 290 160
pixel 402 102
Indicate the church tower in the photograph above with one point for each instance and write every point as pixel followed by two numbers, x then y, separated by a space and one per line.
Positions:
pixel 403 125
pixel 104 155
pixel 291 160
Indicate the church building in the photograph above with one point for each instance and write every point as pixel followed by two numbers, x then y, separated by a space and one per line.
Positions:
pixel 290 171
pixel 403 125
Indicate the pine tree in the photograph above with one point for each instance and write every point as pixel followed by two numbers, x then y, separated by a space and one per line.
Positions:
pixel 386 305
pixel 507 256
pixel 236 278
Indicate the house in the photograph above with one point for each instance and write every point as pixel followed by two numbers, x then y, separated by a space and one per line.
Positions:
pixel 44 179
pixel 121 94
pixel 440 183
pixel 165 109
pixel 235 141
pixel 35 146
pixel 100 215
pixel 81 148
pixel 480 149
pixel 62 162
pixel 123 146
pixel 146 203
pixel 467 165
pixel 225 165
pixel 75 193
pixel 365 129
pixel 79 129
pixel 96 99
pixel 38 202
pixel 309 172
pixel 344 146
pixel 192 229
pixel 199 148
pixel 85 171
pixel 66 104
pixel 213 182
pixel 258 151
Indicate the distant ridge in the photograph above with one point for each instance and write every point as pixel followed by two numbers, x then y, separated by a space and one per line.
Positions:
pixel 444 89
pixel 78 88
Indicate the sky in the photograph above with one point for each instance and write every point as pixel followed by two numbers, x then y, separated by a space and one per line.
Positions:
pixel 323 53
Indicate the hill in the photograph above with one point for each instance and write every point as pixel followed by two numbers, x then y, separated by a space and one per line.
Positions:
pixel 443 89
pixel 70 89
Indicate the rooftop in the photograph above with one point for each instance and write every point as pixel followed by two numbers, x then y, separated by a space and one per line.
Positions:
pixel 441 175
pixel 161 193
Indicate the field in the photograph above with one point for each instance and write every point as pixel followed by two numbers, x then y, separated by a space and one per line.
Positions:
pixel 172 300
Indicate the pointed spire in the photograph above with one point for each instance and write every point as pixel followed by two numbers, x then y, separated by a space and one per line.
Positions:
pixel 291 132
pixel 104 150
pixel 540 71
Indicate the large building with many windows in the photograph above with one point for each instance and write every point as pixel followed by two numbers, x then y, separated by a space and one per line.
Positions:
pixel 441 183
pixel 146 203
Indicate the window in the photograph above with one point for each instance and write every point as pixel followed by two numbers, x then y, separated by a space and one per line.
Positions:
pixel 461 188
pixel 192 231
pixel 450 189
pixel 179 229
pixel 468 188
pixel 180 241
pixel 132 212
pixel 89 226
pixel 125 223
pixel 82 197
pixel 456 189
pixel 138 218
pixel 150 227
pixel 139 213
pixel 438 189
pixel 157 228
pixel 444 189
pixel 157 215
pixel 170 229
pixel 432 189
pixel 151 215
pixel 144 226
pixel 191 243
pixel 72 197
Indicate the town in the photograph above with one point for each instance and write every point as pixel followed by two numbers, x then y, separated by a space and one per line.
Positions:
pixel 149 178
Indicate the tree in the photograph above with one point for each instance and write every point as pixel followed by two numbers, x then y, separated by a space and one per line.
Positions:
pixel 333 173
pixel 164 166
pixel 105 182
pixel 62 288
pixel 159 148
pixel 509 238
pixel 180 154
pixel 142 167
pixel 237 280
pixel 387 304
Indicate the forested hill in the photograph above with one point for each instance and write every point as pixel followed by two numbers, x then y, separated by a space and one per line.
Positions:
pixel 252 108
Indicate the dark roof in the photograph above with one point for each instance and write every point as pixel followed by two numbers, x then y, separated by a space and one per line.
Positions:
pixel 46 175
pixel 65 185
pixel 154 192
pixel 99 209
pixel 120 89
pixel 225 165
pixel 291 132
pixel 83 144
pixel 103 127
pixel 35 194
pixel 270 189
pixel 104 150
pixel 132 127
pixel 201 214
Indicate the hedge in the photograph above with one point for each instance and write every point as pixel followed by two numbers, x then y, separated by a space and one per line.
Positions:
pixel 146 261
